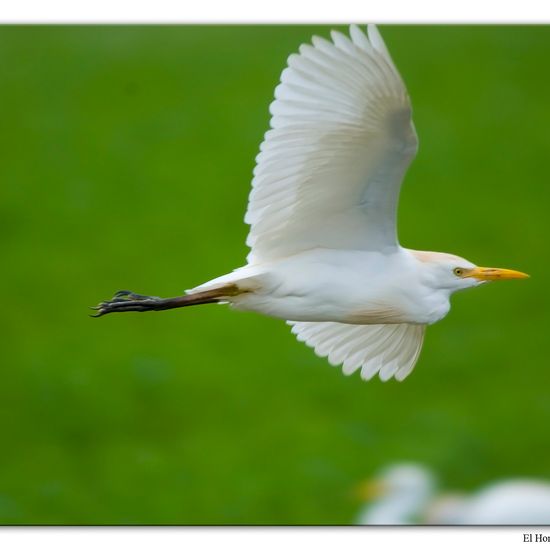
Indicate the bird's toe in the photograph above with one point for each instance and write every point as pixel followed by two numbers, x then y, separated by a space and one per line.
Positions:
pixel 125 300
pixel 128 295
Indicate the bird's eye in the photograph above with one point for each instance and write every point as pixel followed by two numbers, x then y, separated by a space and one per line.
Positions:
pixel 458 271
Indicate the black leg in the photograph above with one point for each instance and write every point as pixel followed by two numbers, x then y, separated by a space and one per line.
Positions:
pixel 124 300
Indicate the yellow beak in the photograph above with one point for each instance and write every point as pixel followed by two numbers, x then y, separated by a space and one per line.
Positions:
pixel 494 274
pixel 369 490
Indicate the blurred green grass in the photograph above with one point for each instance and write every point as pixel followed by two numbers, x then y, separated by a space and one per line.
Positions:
pixel 126 160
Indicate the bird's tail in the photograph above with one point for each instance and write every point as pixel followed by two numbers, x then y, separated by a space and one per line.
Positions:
pixel 212 296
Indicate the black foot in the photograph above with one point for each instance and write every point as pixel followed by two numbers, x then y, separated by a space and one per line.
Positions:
pixel 124 300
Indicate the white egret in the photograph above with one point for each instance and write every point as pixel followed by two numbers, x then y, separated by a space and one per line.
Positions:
pixel 407 494
pixel 399 495
pixel 322 210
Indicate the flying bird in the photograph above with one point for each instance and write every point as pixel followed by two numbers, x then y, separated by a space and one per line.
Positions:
pixel 324 253
pixel 407 493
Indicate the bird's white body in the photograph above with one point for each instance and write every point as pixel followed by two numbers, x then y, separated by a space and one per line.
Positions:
pixel 408 494
pixel 346 286
pixel 511 502
pixel 366 310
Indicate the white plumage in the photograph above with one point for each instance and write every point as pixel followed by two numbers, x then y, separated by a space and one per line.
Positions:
pixel 322 213
pixel 329 171
pixel 399 495
pixel 509 502
pixel 407 493
pixel 390 350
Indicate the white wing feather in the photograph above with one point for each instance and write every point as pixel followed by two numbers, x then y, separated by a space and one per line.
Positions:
pixel 330 169
pixel 389 350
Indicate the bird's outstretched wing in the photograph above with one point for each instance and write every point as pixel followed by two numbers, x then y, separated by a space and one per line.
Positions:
pixel 389 350
pixel 330 169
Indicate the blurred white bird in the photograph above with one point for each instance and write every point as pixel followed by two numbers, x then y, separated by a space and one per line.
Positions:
pixel 406 494
pixel 324 249
pixel 399 495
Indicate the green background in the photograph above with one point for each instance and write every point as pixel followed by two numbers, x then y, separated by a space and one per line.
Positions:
pixel 126 157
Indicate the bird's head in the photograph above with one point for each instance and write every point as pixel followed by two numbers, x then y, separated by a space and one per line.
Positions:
pixel 398 480
pixel 452 273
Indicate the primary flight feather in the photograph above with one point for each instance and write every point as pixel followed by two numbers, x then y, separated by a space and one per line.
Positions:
pixel 324 253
